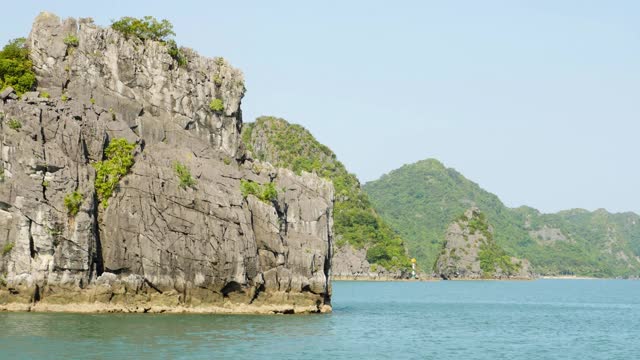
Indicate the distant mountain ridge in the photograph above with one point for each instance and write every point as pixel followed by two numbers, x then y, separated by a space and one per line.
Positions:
pixel 420 200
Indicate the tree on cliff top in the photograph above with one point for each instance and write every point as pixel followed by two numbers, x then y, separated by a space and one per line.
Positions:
pixel 16 69
pixel 147 28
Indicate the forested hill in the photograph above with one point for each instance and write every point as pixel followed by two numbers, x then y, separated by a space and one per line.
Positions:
pixel 355 221
pixel 421 199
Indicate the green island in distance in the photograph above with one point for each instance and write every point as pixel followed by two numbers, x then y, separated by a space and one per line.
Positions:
pixel 421 199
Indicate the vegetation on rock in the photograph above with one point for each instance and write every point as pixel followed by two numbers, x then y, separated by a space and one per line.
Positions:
pixel 72 202
pixel 216 105
pixel 491 255
pixel 470 251
pixel 420 200
pixel 266 193
pixel 16 70
pixel 118 161
pixel 149 28
pixel 7 248
pixel 14 124
pixel 184 175
pixel 355 222
pixel 175 52
pixel 71 40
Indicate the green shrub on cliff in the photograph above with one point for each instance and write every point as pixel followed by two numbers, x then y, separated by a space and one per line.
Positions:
pixel 119 160
pixel 269 192
pixel 355 222
pixel 72 202
pixel 7 248
pixel 16 70
pixel 248 187
pixel 186 180
pixel 14 124
pixel 71 40
pixel 266 193
pixel 216 105
pixel 175 52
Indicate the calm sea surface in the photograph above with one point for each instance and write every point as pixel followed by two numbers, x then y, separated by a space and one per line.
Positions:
pixel 545 319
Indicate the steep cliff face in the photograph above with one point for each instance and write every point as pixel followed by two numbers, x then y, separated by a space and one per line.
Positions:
pixel 139 82
pixel 470 252
pixel 158 245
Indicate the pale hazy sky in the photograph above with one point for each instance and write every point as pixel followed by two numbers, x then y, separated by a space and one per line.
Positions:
pixel 537 101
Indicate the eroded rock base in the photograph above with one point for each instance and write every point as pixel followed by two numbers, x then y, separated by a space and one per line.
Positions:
pixel 120 297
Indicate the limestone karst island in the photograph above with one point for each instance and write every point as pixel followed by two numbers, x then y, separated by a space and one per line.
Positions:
pixel 140 176
pixel 127 187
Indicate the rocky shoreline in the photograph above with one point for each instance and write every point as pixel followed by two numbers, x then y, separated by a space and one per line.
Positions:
pixel 99 308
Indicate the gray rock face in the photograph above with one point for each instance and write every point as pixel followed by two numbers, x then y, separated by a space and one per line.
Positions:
pixel 349 263
pixel 6 93
pixel 158 246
pixel 139 82
pixel 467 241
pixel 548 235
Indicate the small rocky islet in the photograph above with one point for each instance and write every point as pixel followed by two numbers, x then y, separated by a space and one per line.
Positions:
pixel 470 252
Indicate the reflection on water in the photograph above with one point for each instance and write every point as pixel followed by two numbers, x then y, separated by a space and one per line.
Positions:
pixel 445 320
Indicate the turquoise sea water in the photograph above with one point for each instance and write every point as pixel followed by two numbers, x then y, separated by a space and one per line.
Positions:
pixel 545 319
